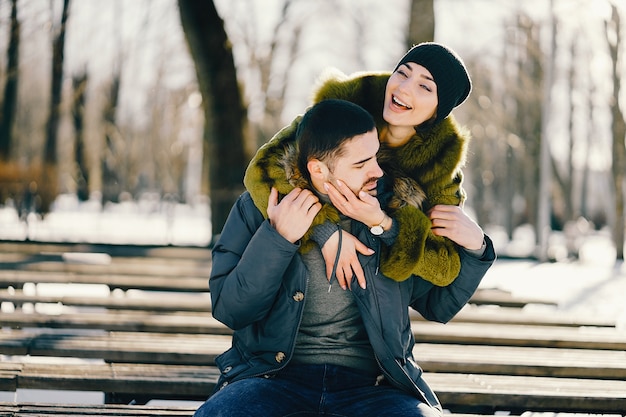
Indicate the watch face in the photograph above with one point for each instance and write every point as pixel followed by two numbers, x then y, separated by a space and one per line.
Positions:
pixel 377 230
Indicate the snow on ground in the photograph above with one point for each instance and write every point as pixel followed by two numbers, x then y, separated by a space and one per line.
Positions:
pixel 149 221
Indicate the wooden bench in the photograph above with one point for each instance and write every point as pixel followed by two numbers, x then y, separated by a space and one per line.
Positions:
pixel 109 410
pixel 105 410
pixel 183 349
pixel 457 391
pixel 152 334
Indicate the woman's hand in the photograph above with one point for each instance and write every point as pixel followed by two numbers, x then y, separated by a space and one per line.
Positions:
pixel 454 223
pixel 364 208
pixel 348 264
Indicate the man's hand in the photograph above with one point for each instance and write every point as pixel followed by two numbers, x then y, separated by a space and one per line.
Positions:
pixel 364 208
pixel 293 215
pixel 452 222
pixel 348 264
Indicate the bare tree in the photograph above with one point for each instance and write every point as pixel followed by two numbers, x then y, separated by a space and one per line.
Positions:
pixel 9 103
pixel 544 209
pixel 525 117
pixel 81 173
pixel 113 145
pixel 225 116
pixel 421 22
pixel 274 78
pixel 618 127
pixel 58 47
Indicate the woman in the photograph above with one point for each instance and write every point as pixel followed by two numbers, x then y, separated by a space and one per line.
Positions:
pixel 422 151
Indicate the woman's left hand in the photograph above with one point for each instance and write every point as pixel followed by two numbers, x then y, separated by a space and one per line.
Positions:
pixel 454 223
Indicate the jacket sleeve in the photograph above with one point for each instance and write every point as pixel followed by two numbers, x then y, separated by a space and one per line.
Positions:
pixel 248 263
pixel 434 160
pixel 417 251
pixel 441 304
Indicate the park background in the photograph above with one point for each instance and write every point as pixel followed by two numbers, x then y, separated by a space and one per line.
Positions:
pixel 124 142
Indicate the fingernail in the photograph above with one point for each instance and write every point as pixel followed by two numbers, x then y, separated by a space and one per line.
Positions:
pixel 326 186
pixel 340 183
pixel 370 251
pixel 363 285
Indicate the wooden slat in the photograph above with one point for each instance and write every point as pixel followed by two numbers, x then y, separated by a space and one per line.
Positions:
pixel 159 381
pixel 118 321
pixel 521 361
pixel 153 252
pixel 141 267
pixel 201 302
pixel 202 349
pixel 607 338
pixel 103 410
pixel 517 393
pixel 513 315
pixel 155 302
pixel 133 347
pixel 506 299
pixel 18 278
pixel 520 335
pixel 109 410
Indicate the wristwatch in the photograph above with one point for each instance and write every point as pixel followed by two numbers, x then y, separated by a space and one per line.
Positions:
pixel 378 229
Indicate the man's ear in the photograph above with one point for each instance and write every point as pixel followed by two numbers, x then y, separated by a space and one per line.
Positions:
pixel 317 169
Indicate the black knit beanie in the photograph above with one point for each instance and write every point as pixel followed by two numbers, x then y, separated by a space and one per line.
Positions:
pixel 448 71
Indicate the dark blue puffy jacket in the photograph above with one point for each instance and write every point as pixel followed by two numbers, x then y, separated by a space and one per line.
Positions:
pixel 258 288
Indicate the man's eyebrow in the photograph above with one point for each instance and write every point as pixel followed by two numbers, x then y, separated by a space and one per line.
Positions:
pixel 362 161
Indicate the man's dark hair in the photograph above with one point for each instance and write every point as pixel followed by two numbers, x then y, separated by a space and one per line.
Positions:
pixel 324 129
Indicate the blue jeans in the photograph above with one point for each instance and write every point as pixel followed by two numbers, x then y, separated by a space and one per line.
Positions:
pixel 313 390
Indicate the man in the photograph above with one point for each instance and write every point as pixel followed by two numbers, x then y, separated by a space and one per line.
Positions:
pixel 300 346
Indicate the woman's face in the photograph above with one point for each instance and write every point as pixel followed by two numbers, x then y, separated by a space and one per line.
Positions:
pixel 410 96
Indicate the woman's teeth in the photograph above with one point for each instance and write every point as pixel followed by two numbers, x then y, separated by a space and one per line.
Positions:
pixel 399 103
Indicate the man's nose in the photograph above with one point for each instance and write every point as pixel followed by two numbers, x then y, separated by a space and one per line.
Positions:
pixel 377 171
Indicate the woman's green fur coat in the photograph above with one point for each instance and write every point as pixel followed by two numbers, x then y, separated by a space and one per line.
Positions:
pixel 430 163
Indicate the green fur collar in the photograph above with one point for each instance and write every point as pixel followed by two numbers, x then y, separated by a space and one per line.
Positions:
pixel 429 164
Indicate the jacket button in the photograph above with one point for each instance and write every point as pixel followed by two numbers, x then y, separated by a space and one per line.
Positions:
pixel 280 356
pixel 227 369
pixel 298 296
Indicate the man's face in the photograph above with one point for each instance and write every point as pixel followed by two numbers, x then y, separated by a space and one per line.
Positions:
pixel 357 166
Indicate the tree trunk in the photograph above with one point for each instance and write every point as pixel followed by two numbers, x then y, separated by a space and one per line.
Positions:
pixel 618 126
pixel 58 46
pixel 421 22
pixel 545 178
pixel 9 103
pixel 79 85
pixel 110 163
pixel 225 116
